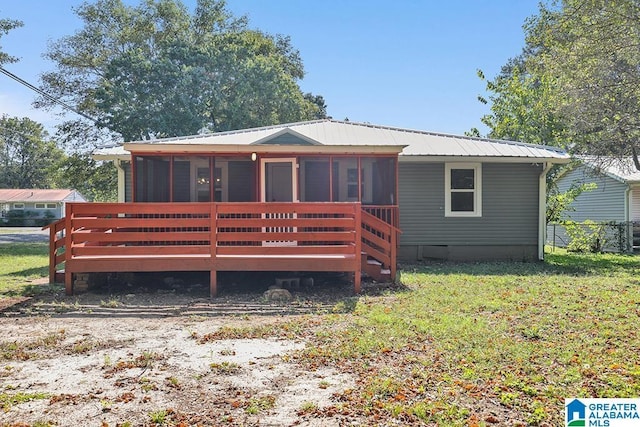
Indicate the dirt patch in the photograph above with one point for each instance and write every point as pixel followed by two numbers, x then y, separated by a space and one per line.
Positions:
pixel 139 358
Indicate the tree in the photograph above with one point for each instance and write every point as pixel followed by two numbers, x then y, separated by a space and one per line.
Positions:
pixel 7 25
pixel 28 158
pixel 559 203
pixel 156 71
pixel 520 100
pixel 97 181
pixel 591 57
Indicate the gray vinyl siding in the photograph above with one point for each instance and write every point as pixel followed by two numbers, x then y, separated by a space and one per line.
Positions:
pixel 605 203
pixel 128 187
pixel 509 207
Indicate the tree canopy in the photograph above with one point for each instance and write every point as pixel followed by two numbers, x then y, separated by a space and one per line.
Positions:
pixel 28 158
pixel 156 70
pixel 577 82
pixel 7 25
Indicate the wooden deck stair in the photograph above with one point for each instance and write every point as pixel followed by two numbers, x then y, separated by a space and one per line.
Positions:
pixel 374 269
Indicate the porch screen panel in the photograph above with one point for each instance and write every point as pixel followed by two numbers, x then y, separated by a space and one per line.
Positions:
pixel 181 181
pixel 383 179
pixel 242 181
pixel 316 180
pixel 152 179
pixel 345 179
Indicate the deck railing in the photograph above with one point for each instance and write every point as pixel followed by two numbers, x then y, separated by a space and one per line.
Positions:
pixel 380 238
pixel 208 236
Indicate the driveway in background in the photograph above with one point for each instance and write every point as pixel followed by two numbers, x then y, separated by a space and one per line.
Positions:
pixel 23 235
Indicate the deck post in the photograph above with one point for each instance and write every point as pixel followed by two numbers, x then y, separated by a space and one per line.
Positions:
pixel 68 276
pixel 213 243
pixel 213 284
pixel 52 253
pixel 357 274
pixel 393 252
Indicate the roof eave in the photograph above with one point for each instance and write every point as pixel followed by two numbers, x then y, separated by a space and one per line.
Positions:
pixel 262 149
pixel 487 159
pixel 111 157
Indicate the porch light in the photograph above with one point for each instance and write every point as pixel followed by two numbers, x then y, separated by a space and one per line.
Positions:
pixel 254 156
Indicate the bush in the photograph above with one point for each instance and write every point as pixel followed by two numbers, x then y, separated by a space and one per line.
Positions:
pixel 47 218
pixel 591 236
pixel 21 218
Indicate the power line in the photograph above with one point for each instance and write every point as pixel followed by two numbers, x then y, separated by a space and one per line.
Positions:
pixel 44 94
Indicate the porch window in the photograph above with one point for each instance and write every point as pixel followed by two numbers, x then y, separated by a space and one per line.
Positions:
pixel 182 179
pixel 18 206
pixel 315 175
pixel 345 179
pixel 378 176
pixel 372 180
pixel 463 189
pixel 152 179
pixel 241 177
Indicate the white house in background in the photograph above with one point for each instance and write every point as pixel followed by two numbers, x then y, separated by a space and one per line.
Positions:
pixel 616 198
pixel 35 203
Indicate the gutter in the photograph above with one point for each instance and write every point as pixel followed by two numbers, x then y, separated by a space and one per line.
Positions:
pixel 542 209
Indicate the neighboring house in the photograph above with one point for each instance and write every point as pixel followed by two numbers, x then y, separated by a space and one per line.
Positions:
pixel 37 203
pixel 416 195
pixel 616 198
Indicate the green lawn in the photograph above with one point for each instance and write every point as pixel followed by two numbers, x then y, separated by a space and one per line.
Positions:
pixel 20 265
pixel 460 344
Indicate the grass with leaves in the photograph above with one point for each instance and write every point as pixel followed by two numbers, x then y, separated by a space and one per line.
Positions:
pixel 476 344
pixel 485 343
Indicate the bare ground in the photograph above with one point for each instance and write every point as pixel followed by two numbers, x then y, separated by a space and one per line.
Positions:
pixel 137 355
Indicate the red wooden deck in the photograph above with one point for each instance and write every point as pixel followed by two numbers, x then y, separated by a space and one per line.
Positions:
pixel 132 237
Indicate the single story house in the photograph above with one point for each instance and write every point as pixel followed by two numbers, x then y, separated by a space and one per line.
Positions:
pixel 616 198
pixel 37 203
pixel 319 195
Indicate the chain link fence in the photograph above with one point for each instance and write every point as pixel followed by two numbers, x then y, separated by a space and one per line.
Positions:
pixel 595 236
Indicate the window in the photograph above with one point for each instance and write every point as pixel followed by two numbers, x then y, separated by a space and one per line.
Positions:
pixel 40 206
pixel 352 183
pixel 18 206
pixel 45 206
pixel 463 189
pixel 52 205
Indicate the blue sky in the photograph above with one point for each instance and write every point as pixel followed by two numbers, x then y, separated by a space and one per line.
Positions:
pixel 404 63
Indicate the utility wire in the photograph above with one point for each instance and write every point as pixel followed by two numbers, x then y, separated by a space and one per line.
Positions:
pixel 44 94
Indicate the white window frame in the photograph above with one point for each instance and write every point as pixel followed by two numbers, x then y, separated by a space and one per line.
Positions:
pixel 51 206
pixel 40 206
pixel 18 206
pixel 477 190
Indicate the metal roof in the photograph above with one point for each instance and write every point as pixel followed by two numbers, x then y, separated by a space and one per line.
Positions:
pixel 350 134
pixel 624 171
pixel 39 195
